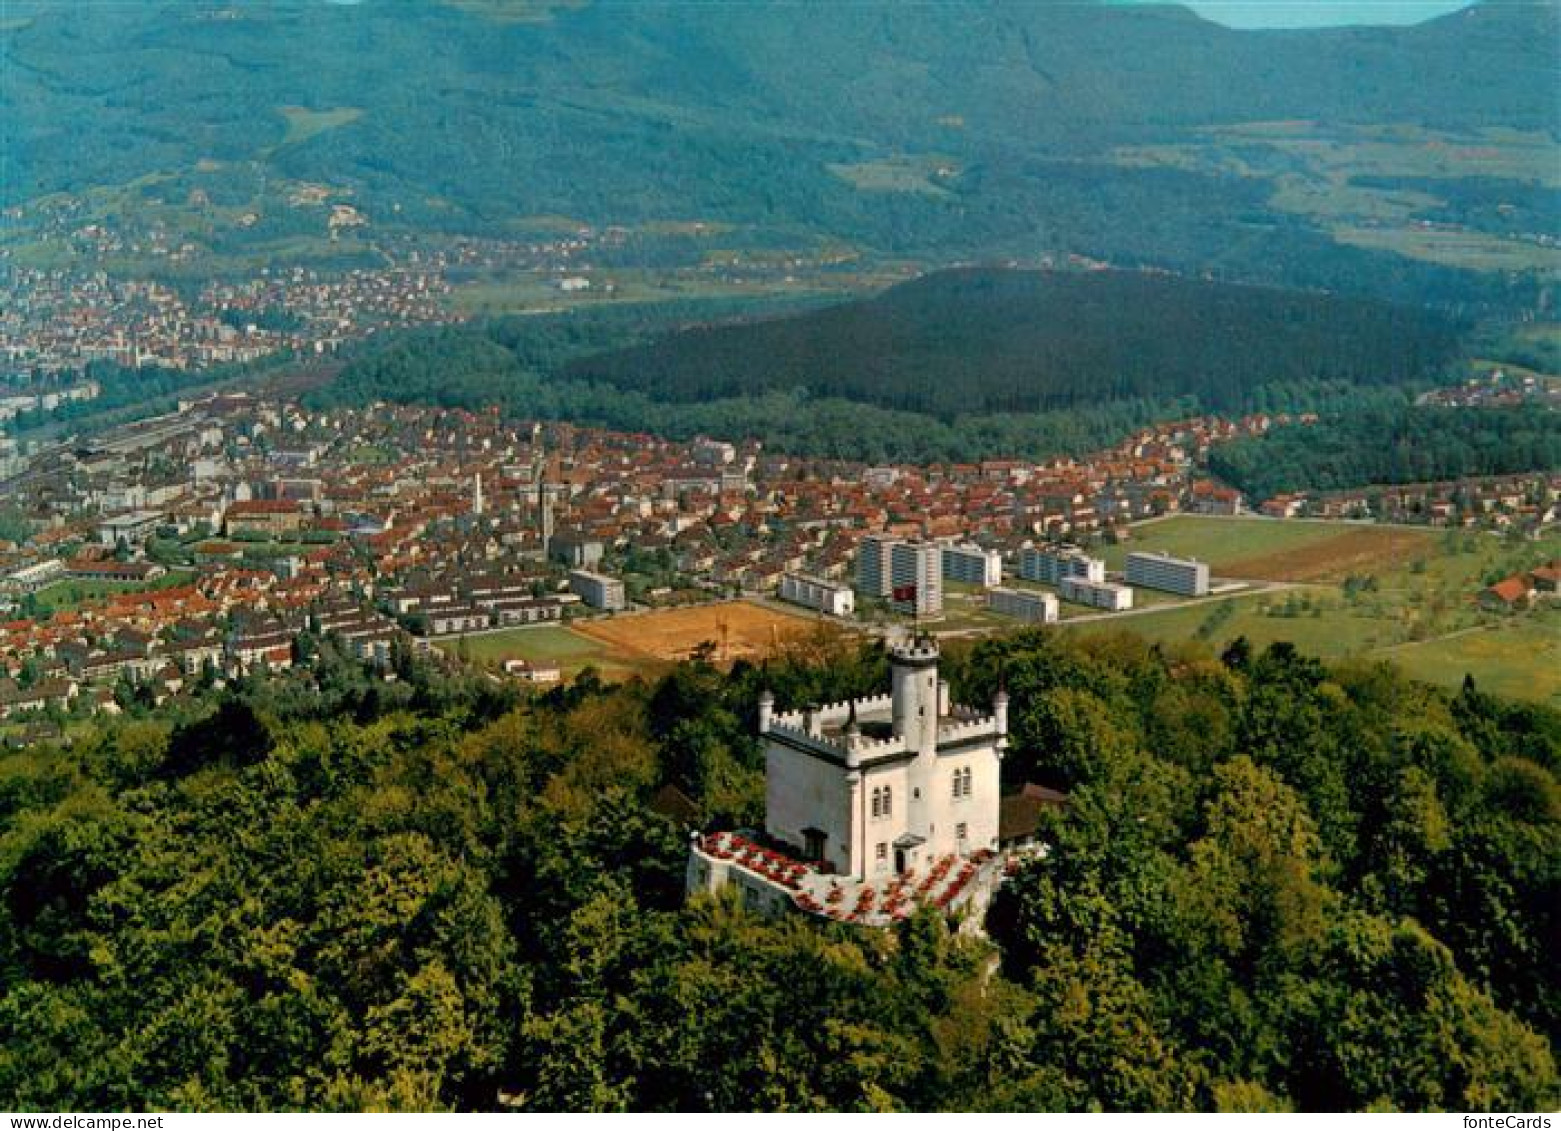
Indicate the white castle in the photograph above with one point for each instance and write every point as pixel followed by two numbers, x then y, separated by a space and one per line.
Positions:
pixel 871 804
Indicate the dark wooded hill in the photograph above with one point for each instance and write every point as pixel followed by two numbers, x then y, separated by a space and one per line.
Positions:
pixel 979 340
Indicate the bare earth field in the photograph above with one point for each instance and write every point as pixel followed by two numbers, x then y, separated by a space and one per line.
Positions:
pixel 1356 550
pixel 738 629
pixel 1265 549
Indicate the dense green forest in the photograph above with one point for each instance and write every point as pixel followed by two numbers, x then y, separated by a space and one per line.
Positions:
pixel 540 367
pixel 980 341
pixel 957 129
pixel 1404 444
pixel 1276 884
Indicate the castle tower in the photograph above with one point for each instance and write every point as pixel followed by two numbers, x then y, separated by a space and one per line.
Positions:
pixel 913 665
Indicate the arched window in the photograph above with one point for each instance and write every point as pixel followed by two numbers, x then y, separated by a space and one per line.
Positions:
pixel 877 802
pixel 888 801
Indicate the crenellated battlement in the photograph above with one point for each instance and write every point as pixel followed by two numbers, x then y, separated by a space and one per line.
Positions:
pixel 964 730
pixel 836 714
pixel 917 652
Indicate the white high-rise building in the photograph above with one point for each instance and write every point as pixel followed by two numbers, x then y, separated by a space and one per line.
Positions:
pixel 887 566
pixel 872 565
pixel 916 578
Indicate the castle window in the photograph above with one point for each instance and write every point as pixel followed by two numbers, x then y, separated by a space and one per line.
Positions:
pixel 888 802
pixel 877 802
pixel 960 831
pixel 882 851
pixel 964 785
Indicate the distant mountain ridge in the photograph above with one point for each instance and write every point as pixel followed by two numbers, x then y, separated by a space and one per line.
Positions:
pixel 970 127
pixel 983 340
pixel 822 73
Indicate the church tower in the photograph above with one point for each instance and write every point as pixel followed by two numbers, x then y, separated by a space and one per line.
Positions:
pixel 544 498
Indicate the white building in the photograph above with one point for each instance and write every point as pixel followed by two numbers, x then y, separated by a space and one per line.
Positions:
pixel 909 574
pixel 1024 604
pixel 31 578
pixel 916 578
pixel 871 803
pixel 133 527
pixel 1154 570
pixel 598 590
pixel 881 787
pixel 971 565
pixel 872 565
pixel 1098 594
pixel 1049 565
pixel 830 597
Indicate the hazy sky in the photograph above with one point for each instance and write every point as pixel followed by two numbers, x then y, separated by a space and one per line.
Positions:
pixel 1318 13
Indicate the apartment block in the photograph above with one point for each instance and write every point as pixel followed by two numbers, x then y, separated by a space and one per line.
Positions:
pixel 816 593
pixel 972 565
pixel 916 578
pixel 598 590
pixel 1172 575
pixel 1097 594
pixel 1028 605
pixel 1050 565
pixel 872 565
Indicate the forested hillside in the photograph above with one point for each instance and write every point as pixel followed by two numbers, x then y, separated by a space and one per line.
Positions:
pixel 975 341
pixel 967 128
pixel 1275 884
pixel 959 365
pixel 1388 444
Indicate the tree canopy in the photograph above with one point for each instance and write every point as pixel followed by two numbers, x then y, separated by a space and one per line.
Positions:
pixel 1276 884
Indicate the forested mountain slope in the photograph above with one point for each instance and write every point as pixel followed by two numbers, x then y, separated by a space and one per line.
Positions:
pixel 1137 134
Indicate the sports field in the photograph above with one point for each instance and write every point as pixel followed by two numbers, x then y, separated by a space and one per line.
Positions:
pixel 555 644
pixel 735 630
pixel 72 594
pixel 642 644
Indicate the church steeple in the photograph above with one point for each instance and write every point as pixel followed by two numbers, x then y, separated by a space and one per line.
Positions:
pixel 544 499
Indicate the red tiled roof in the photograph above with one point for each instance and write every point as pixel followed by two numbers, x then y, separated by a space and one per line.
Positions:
pixel 1510 590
